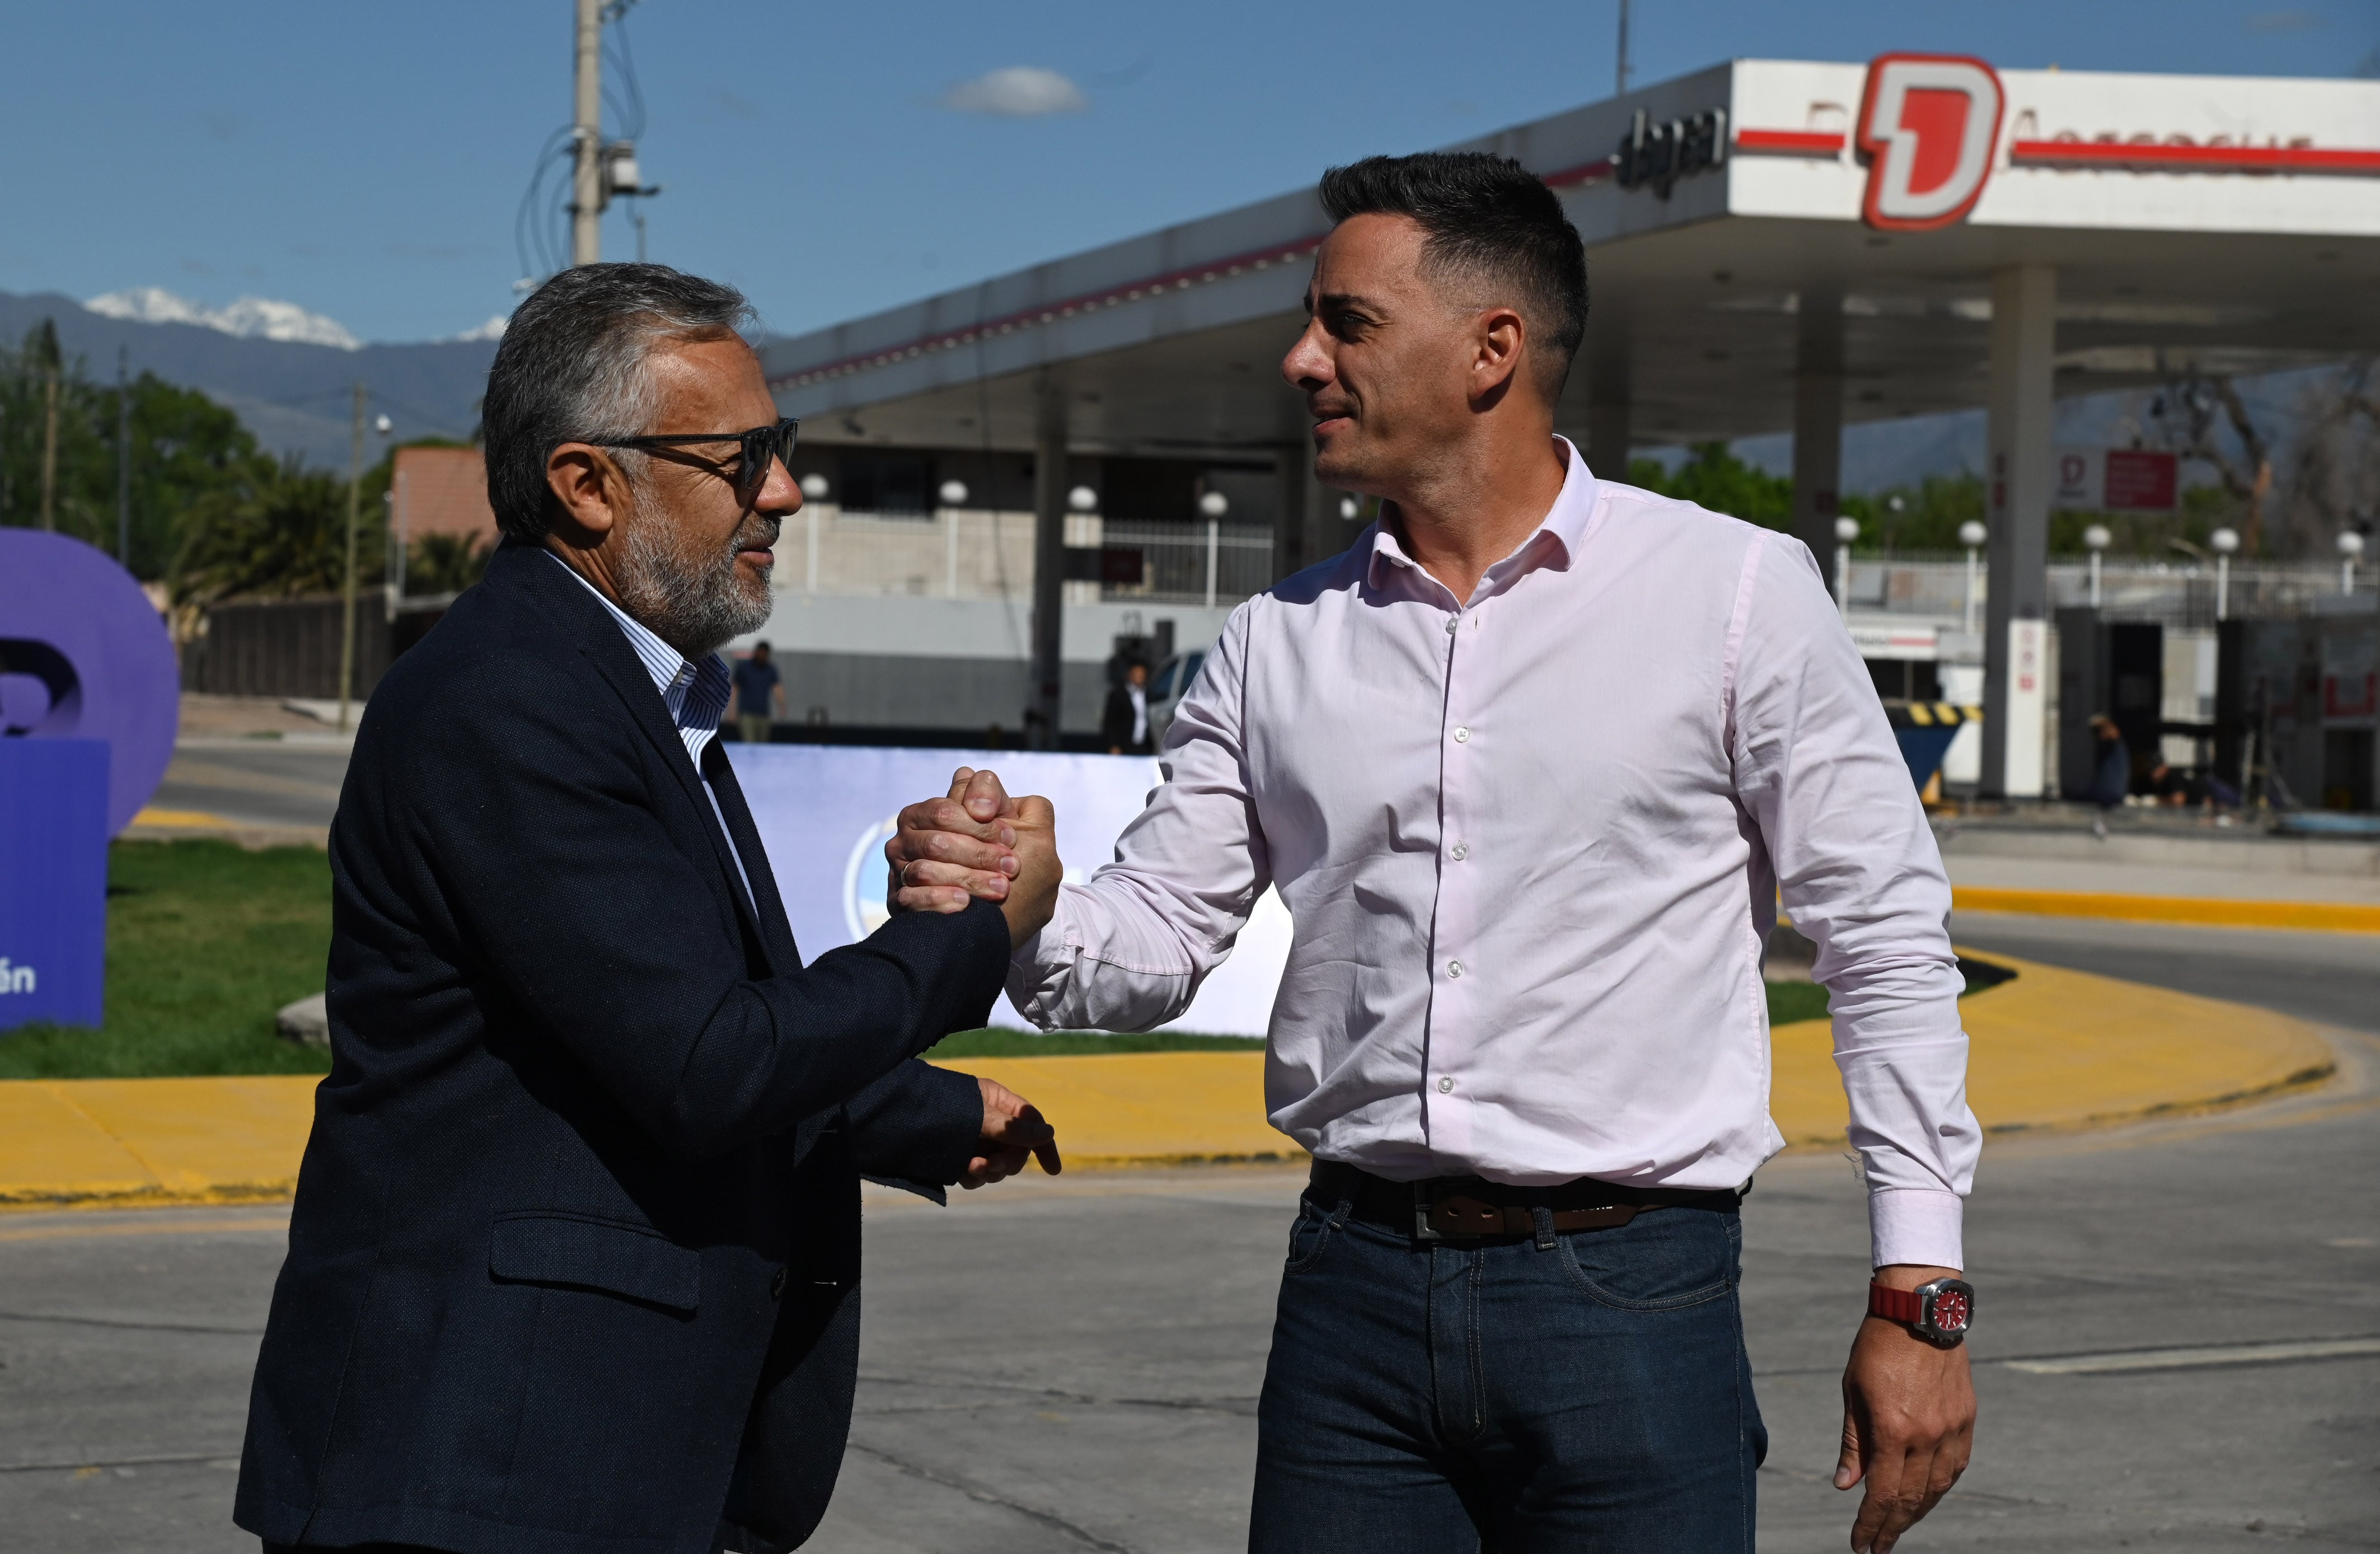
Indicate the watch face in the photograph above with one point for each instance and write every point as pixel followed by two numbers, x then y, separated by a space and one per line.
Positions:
pixel 1952 1307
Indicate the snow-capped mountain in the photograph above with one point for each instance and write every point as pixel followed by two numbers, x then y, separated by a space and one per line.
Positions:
pixel 491 330
pixel 293 390
pixel 250 317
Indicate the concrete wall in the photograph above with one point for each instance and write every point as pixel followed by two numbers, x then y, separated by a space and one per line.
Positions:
pixel 883 690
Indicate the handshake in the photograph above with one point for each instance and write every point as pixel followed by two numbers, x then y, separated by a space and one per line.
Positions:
pixel 976 844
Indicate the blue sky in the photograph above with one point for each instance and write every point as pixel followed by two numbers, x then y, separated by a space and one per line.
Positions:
pixel 367 163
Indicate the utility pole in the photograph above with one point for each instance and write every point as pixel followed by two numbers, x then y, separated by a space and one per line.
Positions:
pixel 348 610
pixel 587 181
pixel 124 455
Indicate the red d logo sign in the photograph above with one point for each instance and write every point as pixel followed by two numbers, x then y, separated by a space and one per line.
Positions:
pixel 1928 124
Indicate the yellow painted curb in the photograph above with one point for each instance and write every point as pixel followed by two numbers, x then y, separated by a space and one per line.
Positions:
pixel 1148 1108
pixel 2059 1050
pixel 135 1142
pixel 2333 916
pixel 2053 1049
pixel 188 820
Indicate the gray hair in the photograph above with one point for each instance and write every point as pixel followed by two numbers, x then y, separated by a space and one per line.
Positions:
pixel 572 367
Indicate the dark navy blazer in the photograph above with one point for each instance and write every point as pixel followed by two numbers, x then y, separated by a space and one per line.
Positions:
pixel 574 1265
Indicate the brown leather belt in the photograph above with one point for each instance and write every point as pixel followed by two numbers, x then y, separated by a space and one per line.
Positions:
pixel 1467 1208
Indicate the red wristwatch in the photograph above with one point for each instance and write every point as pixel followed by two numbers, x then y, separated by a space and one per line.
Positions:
pixel 1941 1312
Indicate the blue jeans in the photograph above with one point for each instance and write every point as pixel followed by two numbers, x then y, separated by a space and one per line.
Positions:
pixel 1502 1395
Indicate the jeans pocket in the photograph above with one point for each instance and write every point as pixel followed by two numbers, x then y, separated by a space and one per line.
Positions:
pixel 1309 1234
pixel 1664 1259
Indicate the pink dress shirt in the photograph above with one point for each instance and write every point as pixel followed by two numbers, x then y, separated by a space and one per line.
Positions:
pixel 1531 844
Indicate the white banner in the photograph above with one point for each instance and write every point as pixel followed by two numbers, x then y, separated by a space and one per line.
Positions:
pixel 825 812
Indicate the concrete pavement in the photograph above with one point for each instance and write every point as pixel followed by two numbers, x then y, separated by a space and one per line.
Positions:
pixel 282 789
pixel 1072 1364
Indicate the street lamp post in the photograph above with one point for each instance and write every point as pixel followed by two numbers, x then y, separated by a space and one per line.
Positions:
pixel 2350 548
pixel 1846 530
pixel 1214 504
pixel 2225 541
pixel 2097 538
pixel 814 490
pixel 1972 535
pixel 953 494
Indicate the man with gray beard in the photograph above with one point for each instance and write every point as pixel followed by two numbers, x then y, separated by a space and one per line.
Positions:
pixel 574 1263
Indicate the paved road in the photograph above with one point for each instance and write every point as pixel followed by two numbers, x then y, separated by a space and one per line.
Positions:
pixel 1072 1364
pixel 256 781
pixel 2333 978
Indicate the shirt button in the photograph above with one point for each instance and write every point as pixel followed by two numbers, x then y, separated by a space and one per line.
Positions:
pixel 1445 1087
pixel 1463 735
pixel 1454 968
pixel 1461 851
pixel 1452 621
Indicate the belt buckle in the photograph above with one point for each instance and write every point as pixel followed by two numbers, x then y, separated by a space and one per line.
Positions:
pixel 1425 1203
pixel 1432 1202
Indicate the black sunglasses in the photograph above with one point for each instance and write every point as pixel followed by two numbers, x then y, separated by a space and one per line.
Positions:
pixel 762 446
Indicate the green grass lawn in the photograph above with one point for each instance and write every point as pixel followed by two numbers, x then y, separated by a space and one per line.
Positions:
pixel 205 942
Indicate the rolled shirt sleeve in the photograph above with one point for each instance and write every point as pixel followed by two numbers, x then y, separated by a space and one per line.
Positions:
pixel 1127 950
pixel 1859 873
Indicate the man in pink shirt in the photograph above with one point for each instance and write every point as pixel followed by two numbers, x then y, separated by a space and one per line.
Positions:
pixel 1530 766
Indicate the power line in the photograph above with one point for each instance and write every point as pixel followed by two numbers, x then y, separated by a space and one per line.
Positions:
pixel 629 109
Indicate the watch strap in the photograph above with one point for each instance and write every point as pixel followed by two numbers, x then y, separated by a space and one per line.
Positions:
pixel 1905 1306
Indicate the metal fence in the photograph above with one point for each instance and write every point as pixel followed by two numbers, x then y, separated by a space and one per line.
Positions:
pixel 2188 594
pixel 1210 563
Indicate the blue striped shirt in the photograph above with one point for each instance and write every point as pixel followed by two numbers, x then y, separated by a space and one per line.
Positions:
pixel 694 694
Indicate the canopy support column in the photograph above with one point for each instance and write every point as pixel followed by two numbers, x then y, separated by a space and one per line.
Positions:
pixel 2019 464
pixel 1818 423
pixel 1047 675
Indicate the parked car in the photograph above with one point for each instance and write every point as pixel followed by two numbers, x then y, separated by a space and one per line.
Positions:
pixel 1166 687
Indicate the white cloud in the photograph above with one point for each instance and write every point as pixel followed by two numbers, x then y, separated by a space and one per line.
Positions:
pixel 250 316
pixel 491 330
pixel 1018 92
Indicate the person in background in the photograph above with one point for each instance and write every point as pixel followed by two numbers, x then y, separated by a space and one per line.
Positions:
pixel 2112 770
pixel 759 698
pixel 2174 788
pixel 1124 727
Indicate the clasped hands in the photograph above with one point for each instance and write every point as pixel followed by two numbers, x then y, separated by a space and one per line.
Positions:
pixel 976 844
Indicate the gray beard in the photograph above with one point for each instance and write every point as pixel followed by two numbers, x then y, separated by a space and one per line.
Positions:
pixel 692 599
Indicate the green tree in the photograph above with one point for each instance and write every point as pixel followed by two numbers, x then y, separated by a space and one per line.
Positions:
pixel 444 564
pixel 184 447
pixel 276 529
pixel 1924 517
pixel 1713 477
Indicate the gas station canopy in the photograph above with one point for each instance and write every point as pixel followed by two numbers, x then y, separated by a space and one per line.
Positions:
pixel 1771 246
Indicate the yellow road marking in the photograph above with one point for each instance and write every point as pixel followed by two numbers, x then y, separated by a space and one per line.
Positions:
pixel 185 1222
pixel 2334 916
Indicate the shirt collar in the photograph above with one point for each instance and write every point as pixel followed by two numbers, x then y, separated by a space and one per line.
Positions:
pixel 1554 542
pixel 694 693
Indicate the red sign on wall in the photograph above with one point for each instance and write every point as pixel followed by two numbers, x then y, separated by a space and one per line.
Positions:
pixel 2139 481
pixel 2117 480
